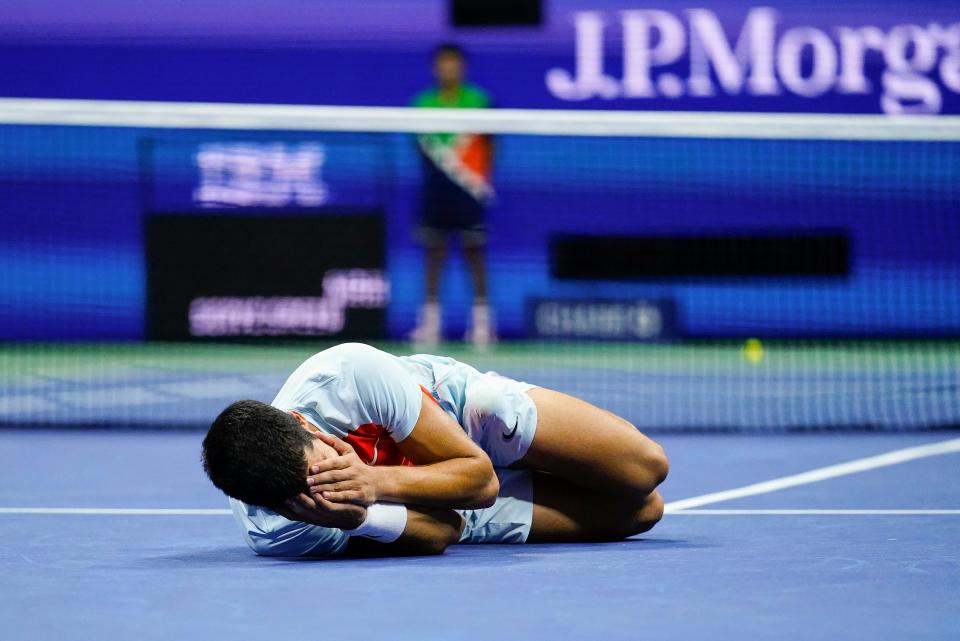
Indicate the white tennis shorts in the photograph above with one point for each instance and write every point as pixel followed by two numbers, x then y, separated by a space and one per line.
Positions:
pixel 494 410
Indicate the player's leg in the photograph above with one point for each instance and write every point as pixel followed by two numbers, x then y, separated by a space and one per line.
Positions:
pixel 593 448
pixel 518 425
pixel 564 512
pixel 535 507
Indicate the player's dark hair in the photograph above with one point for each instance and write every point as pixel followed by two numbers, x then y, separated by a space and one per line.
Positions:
pixel 449 49
pixel 254 453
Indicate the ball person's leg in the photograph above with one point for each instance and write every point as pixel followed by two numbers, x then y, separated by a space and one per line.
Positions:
pixel 481 332
pixel 429 329
pixel 436 259
pixel 478 271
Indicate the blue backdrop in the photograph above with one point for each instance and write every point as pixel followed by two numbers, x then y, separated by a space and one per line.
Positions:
pixel 72 260
pixel 71 257
pixel 788 55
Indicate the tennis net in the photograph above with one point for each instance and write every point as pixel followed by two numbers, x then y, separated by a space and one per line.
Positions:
pixel 689 271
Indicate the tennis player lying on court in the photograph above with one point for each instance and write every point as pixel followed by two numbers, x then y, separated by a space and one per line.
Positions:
pixel 363 452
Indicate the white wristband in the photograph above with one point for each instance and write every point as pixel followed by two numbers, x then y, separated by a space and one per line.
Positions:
pixel 385 523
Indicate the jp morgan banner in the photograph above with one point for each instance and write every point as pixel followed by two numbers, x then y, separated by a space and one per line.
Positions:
pixel 725 55
pixel 690 56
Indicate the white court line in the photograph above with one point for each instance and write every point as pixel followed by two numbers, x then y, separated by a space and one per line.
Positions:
pixel 818 512
pixel 820 474
pixel 117 511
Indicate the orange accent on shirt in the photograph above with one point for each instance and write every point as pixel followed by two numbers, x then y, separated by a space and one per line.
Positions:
pixel 375 446
pixel 477 156
pixel 429 395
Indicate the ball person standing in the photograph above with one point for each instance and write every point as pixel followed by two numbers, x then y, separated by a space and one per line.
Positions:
pixel 455 193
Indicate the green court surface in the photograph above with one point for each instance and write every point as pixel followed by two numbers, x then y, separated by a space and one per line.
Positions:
pixel 85 358
pixel 734 385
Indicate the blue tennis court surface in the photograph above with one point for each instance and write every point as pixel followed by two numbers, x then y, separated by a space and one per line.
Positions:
pixel 704 574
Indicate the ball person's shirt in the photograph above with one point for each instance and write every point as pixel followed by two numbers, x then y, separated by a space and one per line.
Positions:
pixel 466 159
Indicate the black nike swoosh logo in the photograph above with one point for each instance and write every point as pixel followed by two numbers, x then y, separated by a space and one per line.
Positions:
pixel 508 436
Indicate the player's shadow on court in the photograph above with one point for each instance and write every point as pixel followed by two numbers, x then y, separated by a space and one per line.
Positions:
pixel 634 545
pixel 208 557
pixel 474 554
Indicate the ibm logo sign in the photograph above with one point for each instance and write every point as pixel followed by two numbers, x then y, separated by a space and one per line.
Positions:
pixel 260 175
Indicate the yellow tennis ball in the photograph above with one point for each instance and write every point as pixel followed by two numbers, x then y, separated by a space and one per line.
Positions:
pixel 753 351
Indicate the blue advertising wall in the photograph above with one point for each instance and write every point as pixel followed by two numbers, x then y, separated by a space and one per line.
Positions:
pixel 71 247
pixel 72 250
pixel 789 55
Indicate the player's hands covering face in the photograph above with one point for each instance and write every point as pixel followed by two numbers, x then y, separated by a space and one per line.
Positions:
pixel 344 479
pixel 318 511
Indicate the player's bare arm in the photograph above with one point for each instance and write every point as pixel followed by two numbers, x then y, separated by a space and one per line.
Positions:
pixel 427 530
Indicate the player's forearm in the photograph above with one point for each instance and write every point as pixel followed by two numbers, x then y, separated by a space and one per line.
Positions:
pixel 461 483
pixel 428 531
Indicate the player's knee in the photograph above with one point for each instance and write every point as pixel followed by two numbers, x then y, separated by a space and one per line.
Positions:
pixel 649 514
pixel 657 463
pixel 635 518
pixel 649 467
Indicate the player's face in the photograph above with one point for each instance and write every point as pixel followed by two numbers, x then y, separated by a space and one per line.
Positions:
pixel 317 450
pixel 449 69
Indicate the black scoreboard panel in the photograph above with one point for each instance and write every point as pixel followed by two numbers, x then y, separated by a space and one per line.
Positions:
pixel 488 13
pixel 229 275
